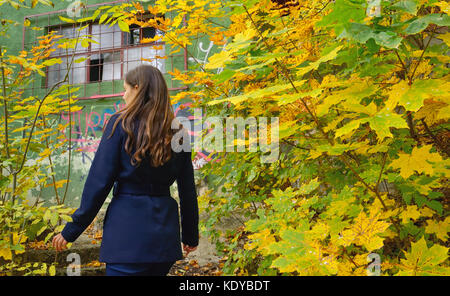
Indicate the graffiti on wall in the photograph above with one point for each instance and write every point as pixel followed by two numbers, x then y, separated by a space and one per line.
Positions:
pixel 88 127
pixel 87 130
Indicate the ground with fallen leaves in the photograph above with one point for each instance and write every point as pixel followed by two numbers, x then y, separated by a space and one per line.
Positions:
pixel 184 267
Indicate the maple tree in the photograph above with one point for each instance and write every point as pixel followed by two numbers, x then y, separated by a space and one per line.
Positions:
pixel 361 90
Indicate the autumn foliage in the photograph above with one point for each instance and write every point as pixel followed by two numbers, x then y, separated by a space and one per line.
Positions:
pixel 361 91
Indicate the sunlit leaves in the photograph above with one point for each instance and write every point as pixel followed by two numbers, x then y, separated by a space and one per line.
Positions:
pixel 420 160
pixel 423 261
pixel 218 60
pixel 439 228
pixel 412 97
pixel 364 232
pixel 354 88
pixel 383 121
pixel 421 23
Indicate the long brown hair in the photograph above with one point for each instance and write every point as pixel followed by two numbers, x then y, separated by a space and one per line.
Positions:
pixel 155 113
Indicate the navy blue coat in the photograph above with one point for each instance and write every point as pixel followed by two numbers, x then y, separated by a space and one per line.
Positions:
pixel 142 221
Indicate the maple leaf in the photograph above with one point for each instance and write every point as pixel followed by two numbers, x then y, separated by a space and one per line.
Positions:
pixel 410 213
pixel 412 97
pixel 218 59
pixel 417 161
pixel 382 121
pixel 421 260
pixel 431 112
pixel 439 228
pixel 364 231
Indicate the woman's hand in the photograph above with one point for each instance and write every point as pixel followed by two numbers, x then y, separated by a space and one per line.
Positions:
pixel 59 243
pixel 188 249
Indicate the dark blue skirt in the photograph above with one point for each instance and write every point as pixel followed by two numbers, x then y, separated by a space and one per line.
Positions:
pixel 138 269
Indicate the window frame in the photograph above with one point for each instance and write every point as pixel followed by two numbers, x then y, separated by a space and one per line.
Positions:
pixel 88 52
pixel 51 18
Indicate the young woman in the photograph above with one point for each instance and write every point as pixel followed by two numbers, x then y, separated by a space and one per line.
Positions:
pixel 141 231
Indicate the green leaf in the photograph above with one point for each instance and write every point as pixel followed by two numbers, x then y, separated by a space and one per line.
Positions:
pixel 363 33
pixel 343 12
pixel 435 205
pixel 416 26
pixel 387 39
pixel 421 23
pixel 224 75
pixel 383 121
pixel 410 6
pixel 17 247
pixel 41 230
pixel 309 187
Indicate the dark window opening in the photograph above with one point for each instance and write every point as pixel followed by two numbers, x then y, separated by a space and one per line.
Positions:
pixel 96 70
pixel 137 34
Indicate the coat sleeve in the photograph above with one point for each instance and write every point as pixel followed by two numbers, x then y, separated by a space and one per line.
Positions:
pixel 188 202
pixel 102 174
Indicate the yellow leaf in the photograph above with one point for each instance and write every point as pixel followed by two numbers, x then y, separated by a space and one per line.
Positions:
pixel 445 37
pixel 218 60
pixel 314 65
pixel 45 153
pixel 259 93
pixel 52 270
pixel 444 6
pixel 441 229
pixel 5 253
pixel 123 26
pixel 412 97
pixel 364 232
pixel 417 161
pixel 410 213
pixel 5 250
pixel 444 113
pixel 430 112
pixel 356 91
pixel 422 260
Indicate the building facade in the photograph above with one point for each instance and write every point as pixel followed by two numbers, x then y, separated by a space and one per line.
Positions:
pixel 97 73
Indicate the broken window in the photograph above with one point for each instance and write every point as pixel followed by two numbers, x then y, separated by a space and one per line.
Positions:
pixel 111 54
pixel 138 33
